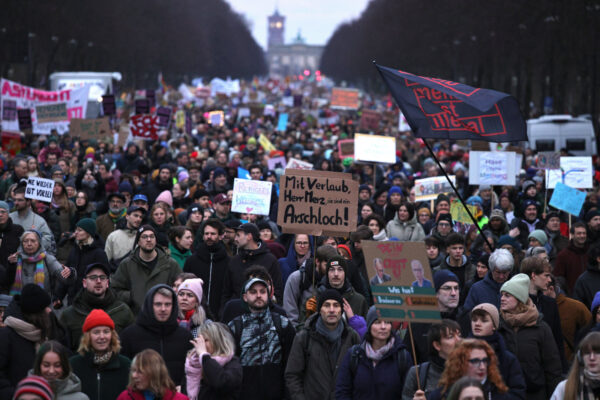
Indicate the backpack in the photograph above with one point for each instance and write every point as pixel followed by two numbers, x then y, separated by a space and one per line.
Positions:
pixel 356 355
pixel 237 323
pixel 423 369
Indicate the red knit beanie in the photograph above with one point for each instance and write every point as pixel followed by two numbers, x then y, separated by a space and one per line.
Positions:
pixel 97 318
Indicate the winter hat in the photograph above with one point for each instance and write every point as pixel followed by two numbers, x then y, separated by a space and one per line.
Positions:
pixel 219 171
pixel 509 240
pixel 442 276
pixel 596 301
pixel 364 187
pixel 143 229
pixel 591 214
pixel 527 184
pixel 34 299
pixel 552 214
pixel 183 175
pixel 346 248
pixel 337 261
pixel 4 206
pixel 125 187
pixel 362 233
pixel 97 317
pixel 88 225
pixel 372 316
pixel 475 200
pixel 445 217
pixel 165 197
pixel 194 286
pixel 395 189
pixel 491 310
pixel 540 235
pixel 34 385
pixel 497 213
pixel 442 197
pixel 517 286
pixel 329 294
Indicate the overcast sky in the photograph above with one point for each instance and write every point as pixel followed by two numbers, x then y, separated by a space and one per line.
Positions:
pixel 317 19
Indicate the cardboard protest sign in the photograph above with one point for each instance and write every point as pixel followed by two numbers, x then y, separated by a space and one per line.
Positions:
pixel 216 118
pixel 164 116
pixel 317 202
pixel 369 120
pixel 567 199
pixel 180 119
pixel 266 143
pixel 9 110
pixel 492 168
pixel 276 162
pixel 294 163
pixel 576 172
pixel 429 188
pixel 282 122
pixel 39 189
pixel 251 197
pixel 401 281
pixel 24 116
pixel 87 129
pixel 460 214
pixel 11 142
pixel 373 148
pixel 109 106
pixel 51 112
pixel 548 160
pixel 142 106
pixel 345 99
pixel 144 126
pixel 345 148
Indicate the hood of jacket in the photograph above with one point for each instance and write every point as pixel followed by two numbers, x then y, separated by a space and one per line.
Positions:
pixel 62 387
pixel 87 301
pixel 249 254
pixel 147 319
pixel 578 250
pixel 291 257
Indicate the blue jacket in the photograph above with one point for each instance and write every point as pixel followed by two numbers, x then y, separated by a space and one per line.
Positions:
pixel 486 290
pixel 288 264
pixel 383 381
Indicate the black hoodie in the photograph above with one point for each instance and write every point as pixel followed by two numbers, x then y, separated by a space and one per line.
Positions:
pixel 170 340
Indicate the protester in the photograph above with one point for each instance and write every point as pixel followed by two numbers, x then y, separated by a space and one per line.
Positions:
pixel 33 388
pixel 191 312
pixel 180 243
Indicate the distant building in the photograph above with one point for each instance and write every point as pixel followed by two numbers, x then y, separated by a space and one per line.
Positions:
pixel 289 59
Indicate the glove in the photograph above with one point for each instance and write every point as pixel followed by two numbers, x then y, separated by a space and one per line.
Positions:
pixel 311 306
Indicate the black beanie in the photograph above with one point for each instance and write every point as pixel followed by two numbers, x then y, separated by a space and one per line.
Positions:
pixel 329 294
pixel 335 261
pixel 34 299
pixel 143 229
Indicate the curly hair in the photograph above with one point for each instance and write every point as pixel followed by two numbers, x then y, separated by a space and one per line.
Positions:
pixel 458 363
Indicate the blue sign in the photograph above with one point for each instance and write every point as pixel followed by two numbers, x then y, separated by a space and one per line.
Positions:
pixel 567 199
pixel 282 123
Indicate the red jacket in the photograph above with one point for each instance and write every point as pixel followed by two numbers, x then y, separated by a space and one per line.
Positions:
pixel 135 395
pixel 570 263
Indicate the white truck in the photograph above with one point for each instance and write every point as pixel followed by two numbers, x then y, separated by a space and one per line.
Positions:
pixel 556 132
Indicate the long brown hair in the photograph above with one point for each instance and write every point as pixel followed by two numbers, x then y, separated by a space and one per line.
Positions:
pixel 590 343
pixel 151 364
pixel 458 361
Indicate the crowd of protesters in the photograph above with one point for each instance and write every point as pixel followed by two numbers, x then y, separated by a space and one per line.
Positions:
pixel 137 281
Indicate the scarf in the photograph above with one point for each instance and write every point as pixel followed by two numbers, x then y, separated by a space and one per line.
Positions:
pixel 520 320
pixel 193 371
pixel 589 384
pixel 25 329
pixel 38 277
pixel 116 216
pixel 377 355
pixel 334 337
pixel 301 260
pixel 101 359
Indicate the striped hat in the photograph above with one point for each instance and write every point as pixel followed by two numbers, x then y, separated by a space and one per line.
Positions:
pixel 34 385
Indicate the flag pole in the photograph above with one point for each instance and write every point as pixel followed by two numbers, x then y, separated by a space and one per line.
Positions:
pixel 457 194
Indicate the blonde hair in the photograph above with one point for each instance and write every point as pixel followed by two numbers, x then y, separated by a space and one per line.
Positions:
pixel 152 365
pixel 85 344
pixel 219 336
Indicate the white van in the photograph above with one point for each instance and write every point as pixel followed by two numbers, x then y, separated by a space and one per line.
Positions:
pixel 555 132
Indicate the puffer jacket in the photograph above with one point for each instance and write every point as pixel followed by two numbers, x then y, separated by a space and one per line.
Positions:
pixel 410 231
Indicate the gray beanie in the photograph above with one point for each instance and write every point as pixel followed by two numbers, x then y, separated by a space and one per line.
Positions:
pixel 372 316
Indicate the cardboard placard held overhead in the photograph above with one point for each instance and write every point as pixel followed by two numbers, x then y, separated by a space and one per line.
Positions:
pixel 266 143
pixel 567 199
pixel 11 142
pixel 401 281
pixel 294 163
pixel 251 197
pixel 430 188
pixel 164 116
pixel 317 202
pixel 576 172
pixel 51 112
pixel 345 148
pixel 39 189
pixel 142 106
pixel 24 116
pixel 369 120
pixel 374 148
pixel 460 214
pixel 90 128
pixel 345 99
pixel 492 168
pixel 282 122
pixel 216 118
pixel 9 110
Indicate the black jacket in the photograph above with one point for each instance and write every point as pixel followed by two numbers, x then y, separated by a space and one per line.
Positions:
pixel 10 239
pixel 80 258
pixel 170 340
pixel 549 310
pixel 220 383
pixel 209 263
pixel 101 382
pixel 154 188
pixel 234 277
pixel 587 285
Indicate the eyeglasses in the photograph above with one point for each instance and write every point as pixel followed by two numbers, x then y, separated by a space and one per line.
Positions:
pixel 96 277
pixel 302 244
pixel 147 237
pixel 476 362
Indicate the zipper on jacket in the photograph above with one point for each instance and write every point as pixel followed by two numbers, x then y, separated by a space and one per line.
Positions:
pixel 209 279
pixel 98 379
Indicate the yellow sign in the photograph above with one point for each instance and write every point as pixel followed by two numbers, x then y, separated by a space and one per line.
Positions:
pixel 460 214
pixel 266 143
pixel 180 119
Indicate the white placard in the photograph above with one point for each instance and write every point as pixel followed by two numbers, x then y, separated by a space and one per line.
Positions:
pixel 578 173
pixel 39 189
pixel 294 163
pixel 430 188
pixel 492 167
pixel 251 197
pixel 374 148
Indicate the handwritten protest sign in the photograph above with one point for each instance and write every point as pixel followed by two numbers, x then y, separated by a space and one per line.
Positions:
pixel 39 189
pixel 164 116
pixel 109 106
pixel 251 197
pixel 576 172
pixel 459 213
pixel 269 110
pixel 282 122
pixel 369 120
pixel 548 160
pixel 11 142
pixel 87 129
pixel 429 188
pixel 317 202
pixel 243 112
pixel 345 148
pixel 401 281
pixel 142 106
pixel 51 112
pixel 276 162
pixel 294 163
pixel 9 110
pixel 373 148
pixel 216 118
pixel 345 99
pixel 492 168
pixel 567 199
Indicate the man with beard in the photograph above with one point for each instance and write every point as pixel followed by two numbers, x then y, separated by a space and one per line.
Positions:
pixel 222 206
pixel 95 295
pixel 209 262
pixel 164 181
pixel 555 238
pixel 263 341
pixel 529 223
pixel 120 243
pixel 107 223
pixel 146 267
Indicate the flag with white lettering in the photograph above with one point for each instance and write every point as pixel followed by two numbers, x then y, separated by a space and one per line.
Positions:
pixel 440 109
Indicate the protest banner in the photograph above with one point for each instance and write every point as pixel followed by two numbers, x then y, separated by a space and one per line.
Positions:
pixel 276 162
pixel 294 163
pixel 216 118
pixel 9 110
pixel 430 188
pixel 345 148
pixel 51 112
pixel 39 189
pixel 142 106
pixel 317 202
pixel 282 122
pixel 373 148
pixel 567 199
pixel 29 98
pixel 144 127
pixel 345 99
pixel 24 116
pixel 266 143
pixel 401 281
pixel 164 116
pixel 576 172
pixel 548 160
pixel 460 214
pixel 109 106
pixel 369 120
pixel 492 168
pixel 86 129
pixel 251 197
pixel 11 142
pixel 122 135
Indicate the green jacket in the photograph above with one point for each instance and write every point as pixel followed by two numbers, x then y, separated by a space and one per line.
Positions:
pixel 178 256
pixel 101 382
pixel 134 278
pixel 74 316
